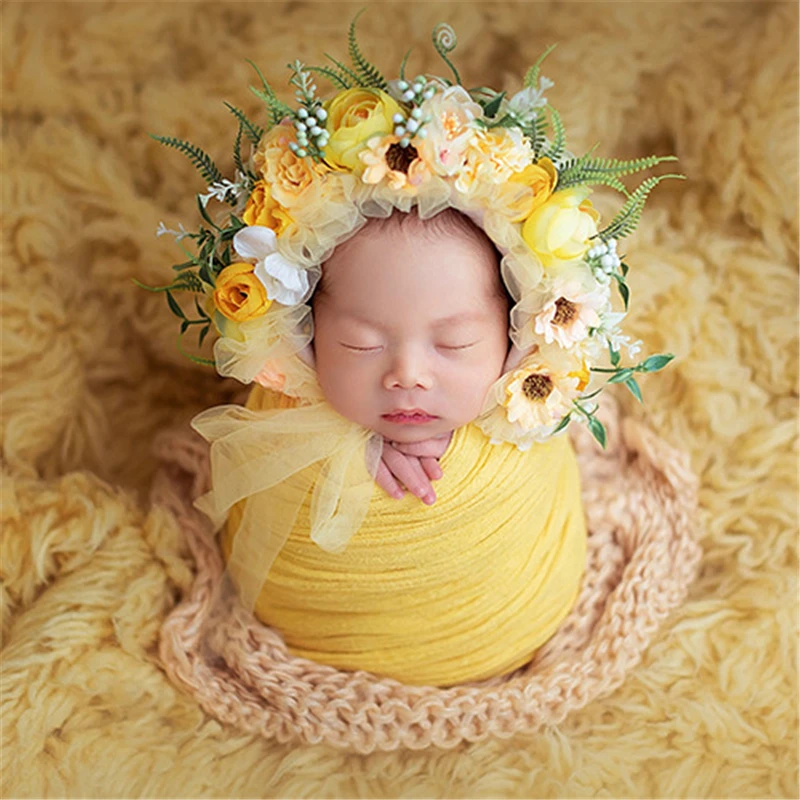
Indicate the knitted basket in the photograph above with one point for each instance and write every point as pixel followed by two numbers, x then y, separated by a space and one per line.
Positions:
pixel 640 497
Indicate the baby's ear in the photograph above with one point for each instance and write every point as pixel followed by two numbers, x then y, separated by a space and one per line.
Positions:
pixel 307 355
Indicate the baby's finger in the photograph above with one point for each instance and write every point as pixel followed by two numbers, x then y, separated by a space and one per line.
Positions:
pixel 432 468
pixel 434 447
pixel 409 470
pixel 386 481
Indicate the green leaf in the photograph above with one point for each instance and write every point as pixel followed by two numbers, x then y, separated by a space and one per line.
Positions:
pixel 200 310
pixel 184 326
pixel 556 149
pixel 614 355
pixel 493 106
pixel 621 376
pixel 204 214
pixel 336 78
pixel 208 362
pixel 625 268
pixel 624 291
pixel 634 387
pixel 563 424
pixel 369 75
pixel 598 431
pixel 174 307
pixel 345 73
pixel 655 363
pixel 200 159
pixel 203 334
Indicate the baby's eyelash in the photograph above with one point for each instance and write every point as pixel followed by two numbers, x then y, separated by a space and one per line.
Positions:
pixel 359 349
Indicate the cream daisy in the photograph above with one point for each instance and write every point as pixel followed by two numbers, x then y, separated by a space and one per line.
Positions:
pixel 384 157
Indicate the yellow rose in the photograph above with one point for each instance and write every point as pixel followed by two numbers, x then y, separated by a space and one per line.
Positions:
pixel 559 230
pixel 541 178
pixel 239 295
pixel 263 209
pixel 288 176
pixel 354 116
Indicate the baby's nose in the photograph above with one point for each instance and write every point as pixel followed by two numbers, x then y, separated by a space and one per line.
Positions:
pixel 408 370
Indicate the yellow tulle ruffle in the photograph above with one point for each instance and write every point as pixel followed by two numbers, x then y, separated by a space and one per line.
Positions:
pixel 462 590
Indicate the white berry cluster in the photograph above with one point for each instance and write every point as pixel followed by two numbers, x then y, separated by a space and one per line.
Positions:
pixel 412 93
pixel 603 260
pixel 310 124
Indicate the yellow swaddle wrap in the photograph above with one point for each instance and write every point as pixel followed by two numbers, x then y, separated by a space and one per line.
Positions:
pixel 459 591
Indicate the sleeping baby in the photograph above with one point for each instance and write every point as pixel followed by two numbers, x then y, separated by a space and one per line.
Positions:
pixel 411 274
pixel 410 332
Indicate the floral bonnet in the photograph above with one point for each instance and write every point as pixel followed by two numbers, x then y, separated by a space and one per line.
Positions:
pixel 317 171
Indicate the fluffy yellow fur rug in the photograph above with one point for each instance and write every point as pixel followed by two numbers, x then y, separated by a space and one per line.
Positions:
pixel 91 373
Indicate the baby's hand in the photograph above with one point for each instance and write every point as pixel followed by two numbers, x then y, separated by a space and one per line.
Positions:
pixel 415 464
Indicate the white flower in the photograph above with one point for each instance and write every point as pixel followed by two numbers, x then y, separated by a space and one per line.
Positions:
pixel 609 332
pixel 284 282
pixel 524 104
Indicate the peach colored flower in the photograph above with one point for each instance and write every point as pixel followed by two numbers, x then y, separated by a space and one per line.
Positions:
pixel 289 177
pixel 493 156
pixel 452 113
pixel 402 166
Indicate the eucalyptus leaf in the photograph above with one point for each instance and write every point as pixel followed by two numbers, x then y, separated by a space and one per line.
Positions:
pixel 634 387
pixel 621 376
pixel 614 355
pixel 655 363
pixel 598 431
pixel 563 424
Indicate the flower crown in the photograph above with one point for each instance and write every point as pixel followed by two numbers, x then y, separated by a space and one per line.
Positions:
pixel 317 172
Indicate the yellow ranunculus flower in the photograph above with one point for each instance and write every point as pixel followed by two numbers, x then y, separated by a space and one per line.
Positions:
pixel 541 177
pixel 559 230
pixel 263 209
pixel 354 116
pixel 239 295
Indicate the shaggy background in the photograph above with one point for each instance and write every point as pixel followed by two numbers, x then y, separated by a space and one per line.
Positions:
pixel 90 373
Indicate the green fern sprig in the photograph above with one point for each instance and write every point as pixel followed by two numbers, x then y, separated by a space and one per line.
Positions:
pixel 336 78
pixel 556 149
pixel 277 109
pixel 445 41
pixel 587 170
pixel 200 159
pixel 369 75
pixel 347 73
pixel 185 281
pixel 532 75
pixel 253 131
pixel 626 220
pixel 537 133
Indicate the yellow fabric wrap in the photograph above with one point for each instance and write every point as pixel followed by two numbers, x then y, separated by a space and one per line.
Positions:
pixel 459 591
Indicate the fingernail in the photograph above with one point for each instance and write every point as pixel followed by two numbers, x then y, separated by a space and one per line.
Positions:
pixel 429 499
pixel 398 495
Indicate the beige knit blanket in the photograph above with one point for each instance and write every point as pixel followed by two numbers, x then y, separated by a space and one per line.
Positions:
pixel 641 502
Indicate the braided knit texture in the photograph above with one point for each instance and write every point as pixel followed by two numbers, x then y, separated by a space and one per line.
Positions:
pixel 640 497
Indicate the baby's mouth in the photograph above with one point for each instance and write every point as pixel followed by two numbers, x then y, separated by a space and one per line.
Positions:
pixel 414 416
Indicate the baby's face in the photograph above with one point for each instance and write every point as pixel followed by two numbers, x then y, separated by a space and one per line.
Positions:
pixel 410 322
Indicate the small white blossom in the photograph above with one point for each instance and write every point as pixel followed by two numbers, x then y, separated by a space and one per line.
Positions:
pixel 220 189
pixel 181 234
pixel 524 104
